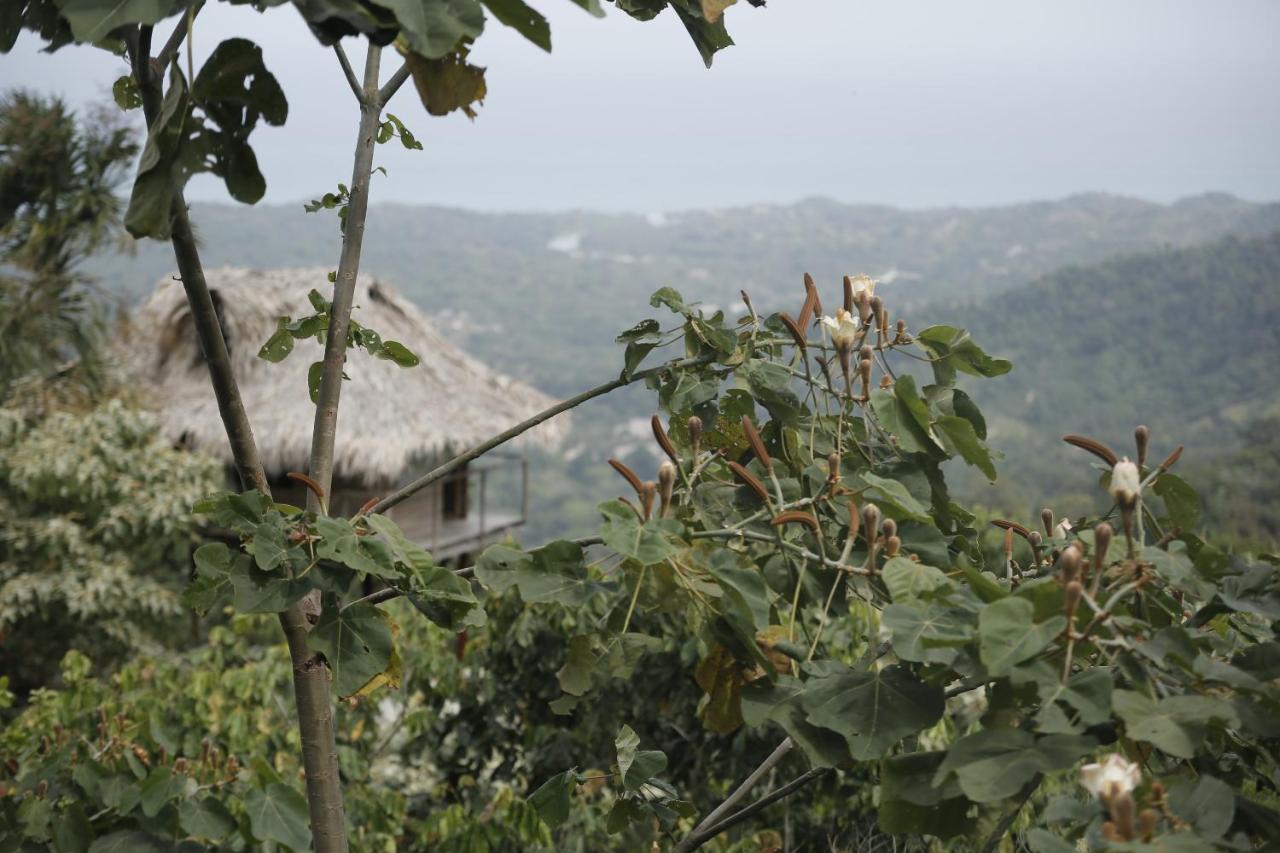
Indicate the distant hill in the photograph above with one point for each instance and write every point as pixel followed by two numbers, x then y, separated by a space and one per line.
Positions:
pixel 1185 341
pixel 505 285
pixel 1177 337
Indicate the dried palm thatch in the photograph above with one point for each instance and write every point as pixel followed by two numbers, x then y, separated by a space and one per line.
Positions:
pixel 391 419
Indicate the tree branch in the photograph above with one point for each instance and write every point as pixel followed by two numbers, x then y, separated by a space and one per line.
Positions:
pixel 524 426
pixel 387 92
pixel 179 34
pixel 310 679
pixel 698 838
pixel 350 73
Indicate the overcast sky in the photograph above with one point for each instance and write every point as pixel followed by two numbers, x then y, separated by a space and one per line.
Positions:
pixel 904 103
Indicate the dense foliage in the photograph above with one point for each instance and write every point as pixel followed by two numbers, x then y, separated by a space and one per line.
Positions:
pixel 95 535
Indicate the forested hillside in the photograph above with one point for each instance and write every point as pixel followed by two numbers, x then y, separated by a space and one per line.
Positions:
pixel 1182 340
pixel 1164 336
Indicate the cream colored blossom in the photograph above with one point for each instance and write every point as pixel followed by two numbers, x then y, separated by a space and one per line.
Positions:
pixel 1063 530
pixel 844 329
pixel 1114 777
pixel 1126 482
pixel 861 283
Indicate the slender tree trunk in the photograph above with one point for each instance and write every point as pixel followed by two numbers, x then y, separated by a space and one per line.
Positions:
pixel 310 680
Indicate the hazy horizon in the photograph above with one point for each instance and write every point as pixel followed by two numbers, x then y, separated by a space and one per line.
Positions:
pixel 900 105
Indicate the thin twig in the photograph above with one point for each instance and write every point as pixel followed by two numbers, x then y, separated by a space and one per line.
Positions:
pixel 696 838
pixel 387 92
pixel 349 72
pixel 501 438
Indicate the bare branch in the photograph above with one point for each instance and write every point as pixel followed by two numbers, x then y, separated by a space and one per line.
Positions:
pixel 524 426
pixel 1007 821
pixel 179 34
pixel 387 92
pixel 350 73
pixel 698 838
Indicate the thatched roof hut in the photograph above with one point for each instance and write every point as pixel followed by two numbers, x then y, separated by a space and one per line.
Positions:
pixel 391 419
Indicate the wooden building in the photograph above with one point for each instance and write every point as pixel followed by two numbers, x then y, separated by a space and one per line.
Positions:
pixel 393 423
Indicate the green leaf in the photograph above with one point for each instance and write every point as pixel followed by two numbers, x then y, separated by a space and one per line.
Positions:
pixel 575 675
pixel 552 798
pixel 257 591
pixel 646 542
pixel 671 298
pixel 206 817
pixel 130 841
pixel 927 633
pixel 708 37
pixel 961 439
pixel 159 170
pixel 872 710
pixel 1181 503
pixel 554 572
pixel 1175 724
pixel 279 813
pixel 277 347
pixel 269 547
pixel 445 598
pixel 524 20
pixel 952 349
pixel 636 766
pixel 433 28
pixel 994 764
pixel 314 374
pixel 356 642
pixel 910 804
pixel 896 495
pixel 93 20
pixel 907 579
pixel 1208 804
pixel 403 550
pixel 160 787
pixel 1007 635
pixel 126 93
pixel 398 353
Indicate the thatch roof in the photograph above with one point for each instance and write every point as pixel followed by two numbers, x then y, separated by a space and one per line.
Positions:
pixel 390 418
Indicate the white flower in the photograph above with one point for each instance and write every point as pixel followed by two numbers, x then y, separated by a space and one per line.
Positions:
pixel 861 283
pixel 1112 778
pixel 1063 530
pixel 844 329
pixel 1126 482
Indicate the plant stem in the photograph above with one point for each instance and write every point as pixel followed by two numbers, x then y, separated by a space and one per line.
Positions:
pixel 699 837
pixel 310 680
pixel 696 838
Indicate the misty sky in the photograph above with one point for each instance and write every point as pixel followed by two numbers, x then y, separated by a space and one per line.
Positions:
pixel 904 103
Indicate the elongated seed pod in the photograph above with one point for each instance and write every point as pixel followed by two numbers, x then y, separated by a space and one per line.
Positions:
pixel 794 329
pixel 1097 448
pixel 848 294
pixel 308 482
pixel 795 516
pixel 627 474
pixel 855 520
pixel 1012 525
pixel 757 446
pixel 660 434
pixel 746 300
pixel 1141 439
pixel 750 480
pixel 1171 458
pixel 811 307
pixel 1008 544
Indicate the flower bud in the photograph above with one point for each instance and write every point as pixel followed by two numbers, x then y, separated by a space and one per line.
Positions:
pixel 871 522
pixel 648 491
pixel 1101 541
pixel 855 521
pixel 1071 600
pixel 901 336
pixel 892 546
pixel 1046 518
pixel 866 352
pixel 666 485
pixel 1122 807
pixel 889 528
pixel 695 434
pixel 1126 483
pixel 1141 438
pixel 864 307
pixel 849 300
pixel 1148 821
pixel 833 468
pixel 1069 563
